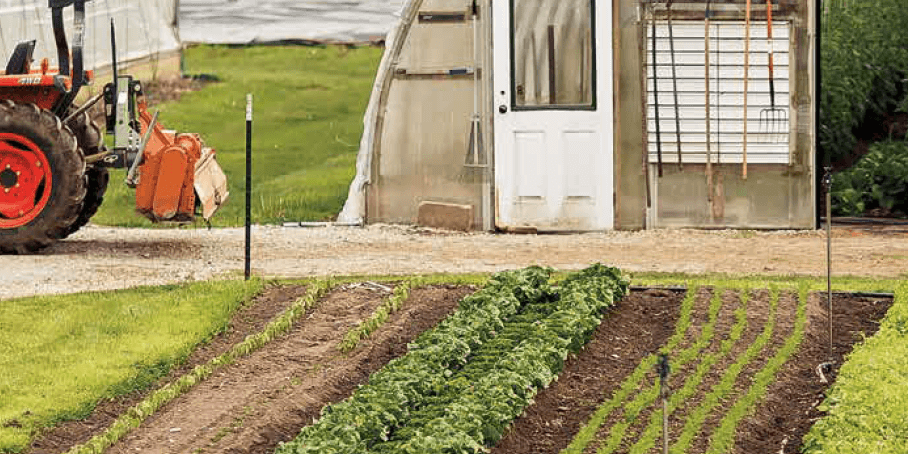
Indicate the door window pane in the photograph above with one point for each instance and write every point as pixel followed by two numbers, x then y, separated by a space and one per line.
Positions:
pixel 553 47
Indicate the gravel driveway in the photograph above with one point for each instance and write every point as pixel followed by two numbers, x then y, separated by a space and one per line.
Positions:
pixel 102 258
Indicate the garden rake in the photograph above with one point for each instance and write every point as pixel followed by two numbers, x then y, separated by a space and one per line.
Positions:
pixel 773 119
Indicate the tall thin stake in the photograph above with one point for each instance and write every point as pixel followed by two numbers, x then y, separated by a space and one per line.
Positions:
pixel 248 257
pixel 664 370
pixel 827 183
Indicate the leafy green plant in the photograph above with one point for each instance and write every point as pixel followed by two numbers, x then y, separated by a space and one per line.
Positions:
pixel 378 318
pixel 868 407
pixel 879 180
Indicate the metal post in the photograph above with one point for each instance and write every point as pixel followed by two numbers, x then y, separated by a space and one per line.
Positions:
pixel 827 185
pixel 664 370
pixel 248 261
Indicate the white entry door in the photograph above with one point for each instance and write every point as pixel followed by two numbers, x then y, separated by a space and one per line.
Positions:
pixel 553 114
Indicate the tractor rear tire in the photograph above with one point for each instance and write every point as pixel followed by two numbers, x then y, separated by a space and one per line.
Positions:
pixel 40 153
pixel 97 182
pixel 89 136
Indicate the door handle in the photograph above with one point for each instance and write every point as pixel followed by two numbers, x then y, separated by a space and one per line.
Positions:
pixel 503 109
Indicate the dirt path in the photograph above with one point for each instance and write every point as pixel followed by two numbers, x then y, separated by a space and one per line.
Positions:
pixel 100 258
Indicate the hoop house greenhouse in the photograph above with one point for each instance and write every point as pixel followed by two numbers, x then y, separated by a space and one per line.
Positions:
pixel 148 42
pixel 585 115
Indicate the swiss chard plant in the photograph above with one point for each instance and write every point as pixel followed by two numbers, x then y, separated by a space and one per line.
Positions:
pixel 462 384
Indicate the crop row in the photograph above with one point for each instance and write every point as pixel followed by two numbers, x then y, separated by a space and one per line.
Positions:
pixel 463 382
pixel 722 437
pixel 868 406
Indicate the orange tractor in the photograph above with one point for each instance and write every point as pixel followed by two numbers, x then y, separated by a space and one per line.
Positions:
pixel 54 165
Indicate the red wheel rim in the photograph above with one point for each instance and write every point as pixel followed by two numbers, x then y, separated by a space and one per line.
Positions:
pixel 25 181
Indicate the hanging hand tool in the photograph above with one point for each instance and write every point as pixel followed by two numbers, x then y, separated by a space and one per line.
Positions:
pixel 709 158
pixel 718 208
pixel 773 119
pixel 746 79
pixel 671 48
pixel 656 94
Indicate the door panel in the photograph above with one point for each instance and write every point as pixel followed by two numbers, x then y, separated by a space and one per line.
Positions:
pixel 553 121
pixel 530 153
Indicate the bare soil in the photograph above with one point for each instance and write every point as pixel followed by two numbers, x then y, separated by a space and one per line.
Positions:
pixel 640 324
pixel 151 257
pixel 781 419
pixel 790 408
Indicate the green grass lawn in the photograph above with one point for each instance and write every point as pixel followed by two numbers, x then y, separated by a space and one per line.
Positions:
pixel 60 355
pixel 308 118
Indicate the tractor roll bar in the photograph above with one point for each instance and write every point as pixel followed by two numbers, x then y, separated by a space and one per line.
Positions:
pixel 77 72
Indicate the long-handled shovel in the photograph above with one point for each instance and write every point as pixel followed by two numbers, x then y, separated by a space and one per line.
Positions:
pixel 656 96
pixel 746 79
pixel 671 49
pixel 709 157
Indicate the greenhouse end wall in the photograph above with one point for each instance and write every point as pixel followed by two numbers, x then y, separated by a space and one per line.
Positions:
pixel 420 151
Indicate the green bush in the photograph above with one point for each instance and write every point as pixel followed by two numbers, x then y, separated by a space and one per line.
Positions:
pixel 864 57
pixel 878 181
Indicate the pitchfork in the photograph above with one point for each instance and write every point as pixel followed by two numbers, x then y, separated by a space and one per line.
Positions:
pixel 773 119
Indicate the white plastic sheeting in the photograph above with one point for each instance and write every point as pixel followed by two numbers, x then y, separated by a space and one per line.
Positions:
pixel 261 21
pixel 145 29
pixel 354 210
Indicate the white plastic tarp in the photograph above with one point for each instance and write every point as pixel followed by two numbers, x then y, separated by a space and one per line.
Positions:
pixel 263 21
pixel 145 29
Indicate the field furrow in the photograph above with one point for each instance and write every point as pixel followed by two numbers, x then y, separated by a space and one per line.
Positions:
pixel 734 384
pixel 632 417
pixel 691 366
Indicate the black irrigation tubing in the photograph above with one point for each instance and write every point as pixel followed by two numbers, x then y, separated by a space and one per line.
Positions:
pixel 866 294
pixel 866 221
pixel 643 288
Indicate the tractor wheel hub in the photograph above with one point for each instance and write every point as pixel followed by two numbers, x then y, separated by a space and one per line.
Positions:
pixel 8 178
pixel 25 180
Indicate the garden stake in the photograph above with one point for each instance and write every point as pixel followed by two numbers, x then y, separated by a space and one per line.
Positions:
pixel 248 257
pixel 827 185
pixel 773 119
pixel 664 370
pixel 671 49
pixel 656 96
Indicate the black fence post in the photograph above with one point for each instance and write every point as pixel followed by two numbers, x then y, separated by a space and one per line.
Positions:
pixel 248 258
